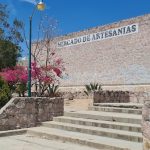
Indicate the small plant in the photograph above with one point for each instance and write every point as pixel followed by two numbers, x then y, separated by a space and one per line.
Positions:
pixel 92 87
pixel 5 93
pixel 49 90
pixel 21 88
pixel 52 90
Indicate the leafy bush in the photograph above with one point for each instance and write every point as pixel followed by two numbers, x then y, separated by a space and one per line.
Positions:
pixel 5 93
pixel 92 87
pixel 16 78
pixel 43 79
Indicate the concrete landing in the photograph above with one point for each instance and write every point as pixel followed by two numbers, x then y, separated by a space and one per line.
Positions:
pixel 93 141
pixel 27 142
pixel 112 127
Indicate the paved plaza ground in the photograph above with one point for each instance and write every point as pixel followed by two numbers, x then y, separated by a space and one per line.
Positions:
pixel 27 142
pixel 78 104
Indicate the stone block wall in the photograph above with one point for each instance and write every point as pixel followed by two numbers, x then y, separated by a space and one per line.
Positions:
pixel 28 112
pixel 120 97
pixel 120 63
pixel 139 97
pixel 75 95
pixel 120 60
pixel 111 97
pixel 146 125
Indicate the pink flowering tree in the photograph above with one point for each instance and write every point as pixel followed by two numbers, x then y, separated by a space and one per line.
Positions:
pixel 46 72
pixel 16 78
pixel 47 66
pixel 43 77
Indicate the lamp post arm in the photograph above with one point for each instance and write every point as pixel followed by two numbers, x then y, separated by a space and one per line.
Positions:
pixel 33 11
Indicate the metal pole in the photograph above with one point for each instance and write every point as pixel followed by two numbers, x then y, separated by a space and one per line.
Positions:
pixel 29 61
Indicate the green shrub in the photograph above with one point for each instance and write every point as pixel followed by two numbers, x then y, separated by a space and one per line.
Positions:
pixel 21 89
pixel 5 93
pixel 92 87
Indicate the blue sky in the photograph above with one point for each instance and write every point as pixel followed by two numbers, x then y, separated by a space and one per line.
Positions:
pixel 76 15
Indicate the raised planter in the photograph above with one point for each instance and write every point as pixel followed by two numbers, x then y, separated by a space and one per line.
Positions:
pixel 111 97
pixel 25 112
pixel 120 97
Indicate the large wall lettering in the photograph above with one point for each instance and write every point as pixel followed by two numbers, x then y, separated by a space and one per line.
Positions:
pixel 121 31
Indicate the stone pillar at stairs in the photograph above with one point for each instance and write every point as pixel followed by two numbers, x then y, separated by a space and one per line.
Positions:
pixel 146 125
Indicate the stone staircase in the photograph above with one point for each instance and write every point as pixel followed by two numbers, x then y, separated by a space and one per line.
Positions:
pixel 103 126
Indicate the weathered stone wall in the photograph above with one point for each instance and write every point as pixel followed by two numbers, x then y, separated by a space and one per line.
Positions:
pixel 138 94
pixel 146 125
pixel 120 60
pixel 76 95
pixel 139 97
pixel 111 97
pixel 120 97
pixel 118 63
pixel 28 112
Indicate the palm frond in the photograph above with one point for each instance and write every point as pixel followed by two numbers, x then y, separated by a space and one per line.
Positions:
pixel 86 93
pixel 88 87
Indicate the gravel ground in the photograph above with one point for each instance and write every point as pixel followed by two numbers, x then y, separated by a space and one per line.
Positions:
pixel 78 104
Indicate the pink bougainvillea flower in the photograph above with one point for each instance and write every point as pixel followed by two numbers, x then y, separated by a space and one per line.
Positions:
pixel 47 80
pixel 14 75
pixel 58 61
pixel 52 53
pixel 57 71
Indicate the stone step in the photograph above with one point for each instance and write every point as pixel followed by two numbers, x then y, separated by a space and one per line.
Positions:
pixel 12 132
pixel 116 109
pixel 100 123
pixel 105 116
pixel 28 142
pixel 113 133
pixel 94 141
pixel 120 105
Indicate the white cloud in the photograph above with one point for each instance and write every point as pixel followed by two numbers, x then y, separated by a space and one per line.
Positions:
pixel 24 58
pixel 30 1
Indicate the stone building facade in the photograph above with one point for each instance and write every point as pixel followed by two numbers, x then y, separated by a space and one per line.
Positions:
pixel 116 55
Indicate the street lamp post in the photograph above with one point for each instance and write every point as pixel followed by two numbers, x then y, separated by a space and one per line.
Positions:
pixel 40 6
